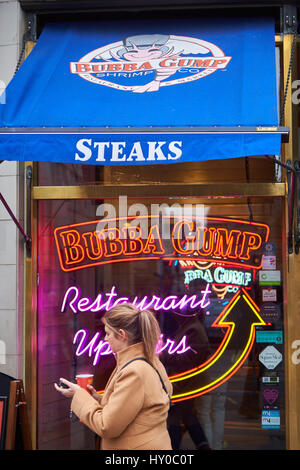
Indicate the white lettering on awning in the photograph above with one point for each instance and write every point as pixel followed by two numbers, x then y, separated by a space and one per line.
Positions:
pixel 88 149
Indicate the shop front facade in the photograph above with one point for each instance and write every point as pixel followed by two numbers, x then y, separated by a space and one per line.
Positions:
pixel 203 242
pixel 209 307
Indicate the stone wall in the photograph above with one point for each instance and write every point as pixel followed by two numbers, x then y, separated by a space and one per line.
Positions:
pixel 11 187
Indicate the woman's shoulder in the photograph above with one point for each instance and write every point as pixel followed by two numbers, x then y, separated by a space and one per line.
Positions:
pixel 145 371
pixel 141 367
pixel 137 363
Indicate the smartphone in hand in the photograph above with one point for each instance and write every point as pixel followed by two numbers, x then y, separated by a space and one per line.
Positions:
pixel 63 385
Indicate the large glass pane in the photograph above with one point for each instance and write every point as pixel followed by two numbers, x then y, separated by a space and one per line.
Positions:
pixel 254 169
pixel 210 269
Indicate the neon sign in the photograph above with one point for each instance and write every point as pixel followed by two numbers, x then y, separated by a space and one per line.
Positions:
pixel 227 359
pixel 223 240
pixel 223 251
pixel 104 302
pixel 219 275
pixel 99 347
pixel 241 311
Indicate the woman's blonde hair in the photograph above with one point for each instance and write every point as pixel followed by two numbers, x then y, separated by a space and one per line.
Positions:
pixel 140 325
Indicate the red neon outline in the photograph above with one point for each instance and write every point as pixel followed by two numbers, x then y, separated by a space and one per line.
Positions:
pixel 210 359
pixel 249 246
pixel 151 241
pixel 111 241
pixel 239 364
pixel 99 245
pixel 229 244
pixel 189 239
pixel 212 231
pixel 215 324
pixel 132 240
pixel 72 247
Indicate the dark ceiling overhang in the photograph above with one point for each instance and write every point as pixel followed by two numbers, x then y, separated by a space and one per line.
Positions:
pixel 42 6
pixel 39 12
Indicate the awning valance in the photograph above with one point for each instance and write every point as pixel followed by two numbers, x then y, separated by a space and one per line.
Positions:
pixel 144 92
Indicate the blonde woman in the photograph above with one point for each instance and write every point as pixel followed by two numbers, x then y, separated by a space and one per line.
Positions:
pixel 132 412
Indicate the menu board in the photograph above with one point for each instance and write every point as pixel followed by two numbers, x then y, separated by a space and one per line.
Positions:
pixel 3 411
pixel 14 426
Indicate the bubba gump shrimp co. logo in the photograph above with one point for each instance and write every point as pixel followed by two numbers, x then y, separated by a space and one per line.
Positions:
pixel 145 63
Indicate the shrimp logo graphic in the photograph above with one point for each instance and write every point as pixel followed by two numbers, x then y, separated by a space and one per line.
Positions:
pixel 145 63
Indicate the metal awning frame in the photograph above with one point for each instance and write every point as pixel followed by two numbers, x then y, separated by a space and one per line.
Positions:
pixel 258 130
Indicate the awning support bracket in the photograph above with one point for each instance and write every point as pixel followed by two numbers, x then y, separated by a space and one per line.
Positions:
pixel 288 19
pixel 289 24
pixel 30 34
pixel 293 173
pixel 291 198
pixel 27 239
pixel 288 165
pixel 28 205
pixel 297 234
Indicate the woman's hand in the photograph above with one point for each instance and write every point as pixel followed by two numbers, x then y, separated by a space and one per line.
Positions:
pixel 67 392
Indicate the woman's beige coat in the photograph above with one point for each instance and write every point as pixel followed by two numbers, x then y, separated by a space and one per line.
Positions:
pixel 133 410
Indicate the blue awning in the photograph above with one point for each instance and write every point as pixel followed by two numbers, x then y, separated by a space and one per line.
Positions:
pixel 146 92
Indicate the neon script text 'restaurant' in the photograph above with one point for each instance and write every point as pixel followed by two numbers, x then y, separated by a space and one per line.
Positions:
pixel 104 302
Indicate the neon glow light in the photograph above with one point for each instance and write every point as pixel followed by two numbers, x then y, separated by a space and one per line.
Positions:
pixel 245 342
pixel 99 347
pixel 223 240
pixel 219 275
pixel 219 370
pixel 73 299
pixel 228 242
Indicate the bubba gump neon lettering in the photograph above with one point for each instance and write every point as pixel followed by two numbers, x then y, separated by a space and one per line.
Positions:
pixel 219 275
pixel 236 242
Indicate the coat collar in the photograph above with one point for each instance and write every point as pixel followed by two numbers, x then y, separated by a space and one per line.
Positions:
pixel 133 351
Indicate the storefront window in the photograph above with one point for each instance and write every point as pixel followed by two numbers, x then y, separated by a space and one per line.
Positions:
pixel 256 169
pixel 210 269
